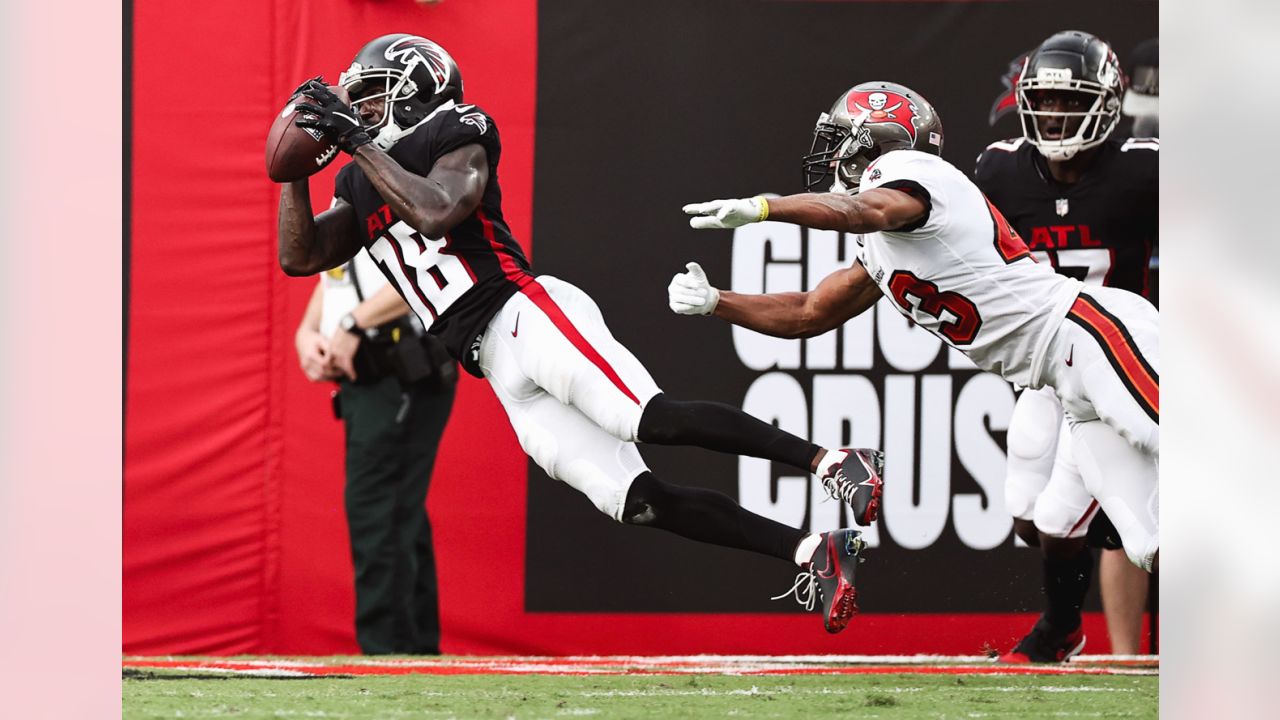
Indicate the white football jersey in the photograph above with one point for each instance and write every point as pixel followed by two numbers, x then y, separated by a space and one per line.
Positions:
pixel 962 272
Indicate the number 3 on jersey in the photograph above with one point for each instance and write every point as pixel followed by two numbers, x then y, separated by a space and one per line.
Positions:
pixel 430 278
pixel 957 316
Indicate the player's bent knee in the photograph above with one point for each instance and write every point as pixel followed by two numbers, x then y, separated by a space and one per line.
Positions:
pixel 1055 520
pixel 657 423
pixel 1143 551
pixel 604 491
pixel 604 487
pixel 1026 531
pixel 1145 556
pixel 625 424
pixel 1020 493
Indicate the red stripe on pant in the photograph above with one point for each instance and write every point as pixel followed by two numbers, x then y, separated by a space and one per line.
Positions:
pixel 1092 506
pixel 538 294
pixel 1118 346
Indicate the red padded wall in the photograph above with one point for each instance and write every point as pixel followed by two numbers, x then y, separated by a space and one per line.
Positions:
pixel 235 539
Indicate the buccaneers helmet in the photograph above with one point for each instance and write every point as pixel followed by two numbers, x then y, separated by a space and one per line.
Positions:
pixel 1089 72
pixel 866 122
pixel 411 74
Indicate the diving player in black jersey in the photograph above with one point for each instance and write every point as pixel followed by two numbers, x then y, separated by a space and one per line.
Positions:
pixel 1088 205
pixel 422 195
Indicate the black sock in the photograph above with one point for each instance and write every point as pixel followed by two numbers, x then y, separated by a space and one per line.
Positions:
pixel 707 516
pixel 723 428
pixel 1066 581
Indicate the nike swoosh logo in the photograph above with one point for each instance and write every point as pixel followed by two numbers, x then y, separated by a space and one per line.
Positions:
pixel 1070 355
pixel 833 562
pixel 516 331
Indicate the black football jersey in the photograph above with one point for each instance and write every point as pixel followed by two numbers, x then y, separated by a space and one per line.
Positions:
pixel 1102 229
pixel 458 282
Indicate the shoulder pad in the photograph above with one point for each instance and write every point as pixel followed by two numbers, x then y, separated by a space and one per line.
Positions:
pixel 1008 146
pixel 462 125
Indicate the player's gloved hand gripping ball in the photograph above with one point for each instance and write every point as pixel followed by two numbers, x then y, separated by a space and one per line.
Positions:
pixel 727 214
pixel 294 152
pixel 690 293
pixel 332 116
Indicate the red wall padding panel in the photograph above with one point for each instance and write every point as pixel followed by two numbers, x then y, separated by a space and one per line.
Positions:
pixel 234 531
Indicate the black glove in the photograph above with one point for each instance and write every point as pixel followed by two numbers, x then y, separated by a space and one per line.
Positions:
pixel 332 117
pixel 319 79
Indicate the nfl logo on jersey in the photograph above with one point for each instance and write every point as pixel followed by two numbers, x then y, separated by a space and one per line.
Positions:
pixel 1061 207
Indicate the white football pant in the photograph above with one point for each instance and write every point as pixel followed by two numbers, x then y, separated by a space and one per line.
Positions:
pixel 1103 363
pixel 573 393
pixel 1042 482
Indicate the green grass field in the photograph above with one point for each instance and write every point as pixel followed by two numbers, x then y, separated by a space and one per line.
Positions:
pixel 168 693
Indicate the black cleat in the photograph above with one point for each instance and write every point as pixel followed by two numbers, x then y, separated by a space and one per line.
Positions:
pixel 856 481
pixel 830 572
pixel 1046 644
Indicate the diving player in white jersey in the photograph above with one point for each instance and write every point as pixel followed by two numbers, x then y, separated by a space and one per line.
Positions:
pixel 932 242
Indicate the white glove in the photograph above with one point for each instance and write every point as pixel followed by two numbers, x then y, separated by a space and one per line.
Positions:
pixel 690 294
pixel 726 214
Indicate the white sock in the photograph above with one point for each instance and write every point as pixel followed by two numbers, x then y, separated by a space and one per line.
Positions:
pixel 833 458
pixel 805 548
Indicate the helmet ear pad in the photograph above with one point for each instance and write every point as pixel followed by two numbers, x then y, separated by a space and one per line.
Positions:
pixel 849 169
pixel 411 111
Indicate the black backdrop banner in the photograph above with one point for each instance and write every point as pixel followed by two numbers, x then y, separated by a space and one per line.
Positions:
pixel 666 103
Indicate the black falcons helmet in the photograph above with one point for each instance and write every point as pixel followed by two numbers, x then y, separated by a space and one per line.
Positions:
pixel 1078 62
pixel 866 122
pixel 413 75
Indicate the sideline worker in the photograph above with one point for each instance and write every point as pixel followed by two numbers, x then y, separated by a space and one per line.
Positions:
pixel 396 388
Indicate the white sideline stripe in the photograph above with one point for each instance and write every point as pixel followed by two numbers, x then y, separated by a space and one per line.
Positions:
pixel 784 690
pixel 269 671
pixel 542 660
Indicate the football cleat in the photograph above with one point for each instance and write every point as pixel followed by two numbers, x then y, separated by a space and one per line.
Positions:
pixel 829 576
pixel 1045 644
pixel 856 481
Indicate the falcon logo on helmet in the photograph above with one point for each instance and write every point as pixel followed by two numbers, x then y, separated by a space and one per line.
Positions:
pixel 414 49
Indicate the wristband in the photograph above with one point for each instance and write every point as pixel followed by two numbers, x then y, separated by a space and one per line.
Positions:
pixel 764 208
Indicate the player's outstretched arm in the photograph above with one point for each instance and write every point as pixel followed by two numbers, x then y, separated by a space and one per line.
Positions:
pixel 434 204
pixel 310 244
pixel 871 211
pixel 842 295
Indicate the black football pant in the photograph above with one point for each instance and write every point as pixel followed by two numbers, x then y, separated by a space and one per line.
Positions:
pixel 388 472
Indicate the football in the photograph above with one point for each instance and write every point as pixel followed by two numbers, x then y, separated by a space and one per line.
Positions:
pixel 294 153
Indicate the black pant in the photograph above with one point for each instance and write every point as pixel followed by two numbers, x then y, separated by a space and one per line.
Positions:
pixel 388 471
